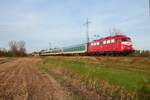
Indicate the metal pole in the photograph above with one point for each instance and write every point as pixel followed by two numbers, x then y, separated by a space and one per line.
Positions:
pixel 87 33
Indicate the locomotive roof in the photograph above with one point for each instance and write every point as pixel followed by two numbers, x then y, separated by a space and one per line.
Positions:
pixel 110 37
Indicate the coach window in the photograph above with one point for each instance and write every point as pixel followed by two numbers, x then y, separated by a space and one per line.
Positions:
pixel 112 41
pixel 93 44
pixel 104 42
pixel 97 43
pixel 100 42
pixel 108 41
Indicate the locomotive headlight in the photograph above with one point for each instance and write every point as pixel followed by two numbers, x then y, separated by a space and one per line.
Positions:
pixel 127 43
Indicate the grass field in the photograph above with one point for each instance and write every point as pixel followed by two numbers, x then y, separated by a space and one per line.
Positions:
pixel 129 73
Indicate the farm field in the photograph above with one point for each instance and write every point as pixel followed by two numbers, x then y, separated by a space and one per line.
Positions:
pixel 75 78
pixel 20 80
pixel 126 78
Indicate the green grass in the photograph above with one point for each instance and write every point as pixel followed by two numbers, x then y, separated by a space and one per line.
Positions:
pixel 42 68
pixel 59 78
pixel 131 80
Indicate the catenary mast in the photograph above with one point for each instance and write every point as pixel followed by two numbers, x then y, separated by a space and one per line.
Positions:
pixel 87 32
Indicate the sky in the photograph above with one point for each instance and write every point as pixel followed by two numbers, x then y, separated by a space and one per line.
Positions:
pixel 61 22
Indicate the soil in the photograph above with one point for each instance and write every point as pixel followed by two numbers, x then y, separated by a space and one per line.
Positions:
pixel 20 80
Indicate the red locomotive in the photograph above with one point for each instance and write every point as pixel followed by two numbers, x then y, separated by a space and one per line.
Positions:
pixel 118 44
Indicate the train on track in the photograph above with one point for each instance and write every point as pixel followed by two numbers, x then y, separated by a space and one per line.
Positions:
pixel 111 45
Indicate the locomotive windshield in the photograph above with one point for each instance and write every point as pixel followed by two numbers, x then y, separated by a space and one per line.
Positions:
pixel 125 39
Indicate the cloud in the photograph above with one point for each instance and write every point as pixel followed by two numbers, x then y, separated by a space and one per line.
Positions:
pixel 39 22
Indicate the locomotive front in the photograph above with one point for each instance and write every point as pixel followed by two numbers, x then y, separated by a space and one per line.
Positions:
pixel 126 44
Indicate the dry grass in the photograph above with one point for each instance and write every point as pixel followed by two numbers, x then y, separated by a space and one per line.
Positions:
pixel 96 77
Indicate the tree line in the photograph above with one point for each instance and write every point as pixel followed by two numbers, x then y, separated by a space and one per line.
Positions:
pixel 16 49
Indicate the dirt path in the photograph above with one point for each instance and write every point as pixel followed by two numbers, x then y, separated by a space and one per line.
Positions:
pixel 20 80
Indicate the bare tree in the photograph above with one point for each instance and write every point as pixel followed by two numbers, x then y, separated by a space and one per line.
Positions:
pixel 21 48
pixel 17 48
pixel 13 48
